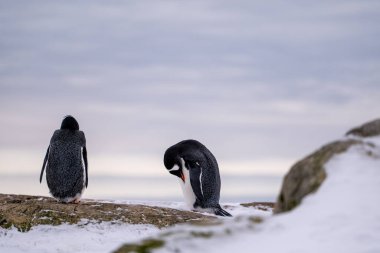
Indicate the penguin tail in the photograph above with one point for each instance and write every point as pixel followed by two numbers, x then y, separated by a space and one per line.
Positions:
pixel 221 212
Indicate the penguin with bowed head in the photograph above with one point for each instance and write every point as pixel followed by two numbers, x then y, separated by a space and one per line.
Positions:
pixel 198 174
pixel 66 162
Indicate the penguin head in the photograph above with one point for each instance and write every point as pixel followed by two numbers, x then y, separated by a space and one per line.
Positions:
pixel 183 155
pixel 69 123
pixel 173 163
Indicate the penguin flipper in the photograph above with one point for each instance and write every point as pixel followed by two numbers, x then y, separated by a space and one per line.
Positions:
pixel 85 164
pixel 196 182
pixel 44 164
pixel 221 212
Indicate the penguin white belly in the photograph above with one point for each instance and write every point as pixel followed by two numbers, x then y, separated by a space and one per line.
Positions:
pixel 84 169
pixel 187 190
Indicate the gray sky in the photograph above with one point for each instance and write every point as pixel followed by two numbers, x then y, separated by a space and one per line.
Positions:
pixel 260 83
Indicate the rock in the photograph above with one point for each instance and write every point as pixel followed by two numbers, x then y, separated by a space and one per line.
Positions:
pixel 368 129
pixel 23 212
pixel 145 246
pixel 264 206
pixel 308 174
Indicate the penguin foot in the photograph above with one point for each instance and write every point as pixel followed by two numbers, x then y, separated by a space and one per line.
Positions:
pixel 76 199
pixel 221 212
pixel 68 200
pixel 65 201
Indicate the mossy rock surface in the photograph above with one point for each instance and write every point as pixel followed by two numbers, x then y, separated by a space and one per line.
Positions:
pixel 307 175
pixel 145 246
pixel 264 206
pixel 24 212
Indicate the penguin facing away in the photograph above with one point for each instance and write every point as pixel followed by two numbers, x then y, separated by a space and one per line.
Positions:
pixel 66 162
pixel 198 174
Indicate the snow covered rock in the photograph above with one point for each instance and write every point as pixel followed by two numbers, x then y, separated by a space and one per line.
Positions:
pixel 191 237
pixel 23 212
pixel 100 226
pixel 308 174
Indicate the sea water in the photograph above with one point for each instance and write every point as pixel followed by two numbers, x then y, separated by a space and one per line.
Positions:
pixel 235 188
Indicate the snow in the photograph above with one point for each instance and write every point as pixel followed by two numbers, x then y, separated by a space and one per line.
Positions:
pixel 93 237
pixel 342 216
pixel 102 237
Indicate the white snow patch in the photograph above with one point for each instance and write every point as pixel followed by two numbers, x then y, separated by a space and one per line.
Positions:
pixel 102 237
pixel 236 210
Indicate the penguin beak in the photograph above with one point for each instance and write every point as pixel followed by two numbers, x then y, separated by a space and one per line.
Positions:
pixel 182 176
pixel 177 171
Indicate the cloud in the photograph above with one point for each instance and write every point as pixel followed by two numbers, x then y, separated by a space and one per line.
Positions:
pixel 250 79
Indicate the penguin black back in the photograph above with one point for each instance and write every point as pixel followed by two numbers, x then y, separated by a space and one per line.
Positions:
pixel 66 162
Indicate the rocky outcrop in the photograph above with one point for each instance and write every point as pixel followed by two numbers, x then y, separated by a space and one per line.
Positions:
pixel 307 175
pixel 23 212
pixel 368 129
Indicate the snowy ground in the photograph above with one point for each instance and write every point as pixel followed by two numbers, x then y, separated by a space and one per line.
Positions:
pixel 103 237
pixel 343 216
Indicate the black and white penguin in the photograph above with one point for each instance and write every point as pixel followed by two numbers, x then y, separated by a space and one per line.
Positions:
pixel 66 162
pixel 198 173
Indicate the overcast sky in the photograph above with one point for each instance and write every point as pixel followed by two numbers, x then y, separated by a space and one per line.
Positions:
pixel 260 83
